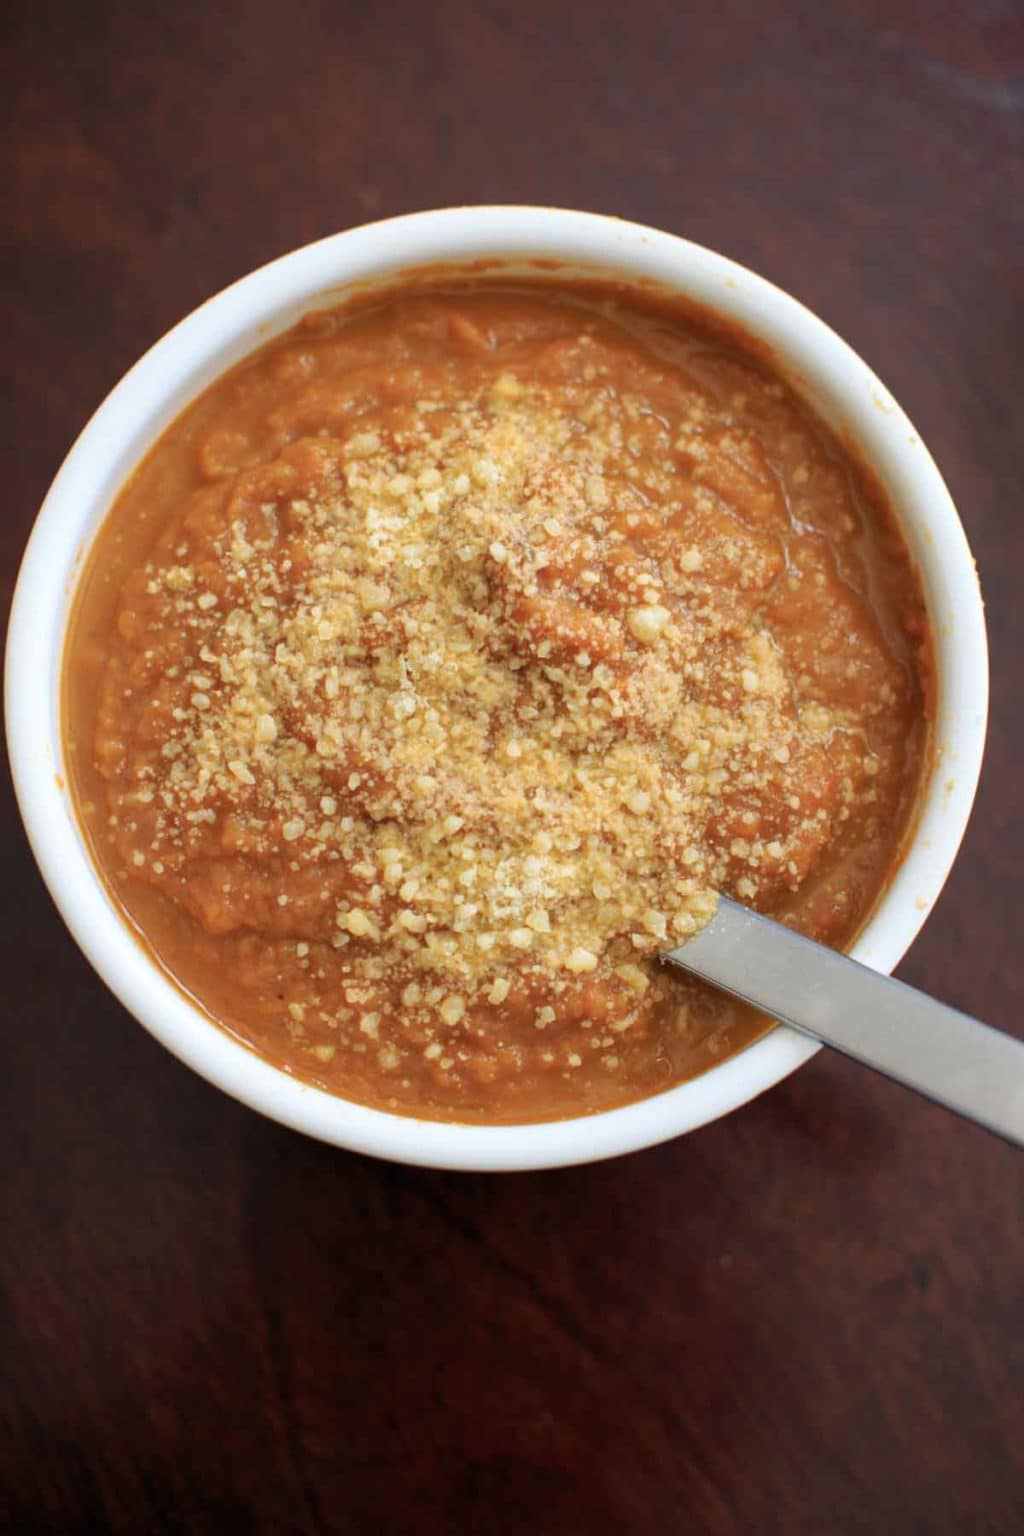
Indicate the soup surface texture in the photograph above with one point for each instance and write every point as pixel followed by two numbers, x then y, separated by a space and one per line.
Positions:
pixel 444 660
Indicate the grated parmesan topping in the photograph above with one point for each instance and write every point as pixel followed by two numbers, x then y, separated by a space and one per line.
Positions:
pixel 433 658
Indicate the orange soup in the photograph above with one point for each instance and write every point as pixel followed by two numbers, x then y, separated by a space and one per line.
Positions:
pixel 446 658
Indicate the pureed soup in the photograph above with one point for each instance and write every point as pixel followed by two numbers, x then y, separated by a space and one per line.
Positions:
pixel 444 660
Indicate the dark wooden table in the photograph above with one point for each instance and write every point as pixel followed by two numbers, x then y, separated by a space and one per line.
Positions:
pixel 807 1319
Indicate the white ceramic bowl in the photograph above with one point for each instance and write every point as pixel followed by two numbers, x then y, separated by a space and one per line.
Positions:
pixel 822 367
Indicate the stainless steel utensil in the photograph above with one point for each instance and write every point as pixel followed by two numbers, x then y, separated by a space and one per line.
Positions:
pixel 946 1055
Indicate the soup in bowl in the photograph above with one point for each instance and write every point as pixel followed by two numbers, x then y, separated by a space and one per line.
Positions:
pixel 468 600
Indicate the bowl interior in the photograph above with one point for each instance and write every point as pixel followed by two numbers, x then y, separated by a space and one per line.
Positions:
pixel 511 242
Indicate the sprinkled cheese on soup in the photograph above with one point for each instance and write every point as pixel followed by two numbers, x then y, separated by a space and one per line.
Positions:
pixel 445 660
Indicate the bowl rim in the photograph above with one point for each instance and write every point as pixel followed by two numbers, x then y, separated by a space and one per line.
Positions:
pixel 232 324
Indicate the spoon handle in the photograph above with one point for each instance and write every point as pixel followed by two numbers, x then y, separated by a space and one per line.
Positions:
pixel 954 1059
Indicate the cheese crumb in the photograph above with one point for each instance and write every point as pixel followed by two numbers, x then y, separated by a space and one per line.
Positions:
pixel 646 624
pixel 452 1009
pixel 357 923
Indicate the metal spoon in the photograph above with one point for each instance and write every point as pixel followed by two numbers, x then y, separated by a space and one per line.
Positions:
pixel 954 1059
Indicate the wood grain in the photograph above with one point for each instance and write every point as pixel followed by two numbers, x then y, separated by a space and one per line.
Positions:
pixel 807 1319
